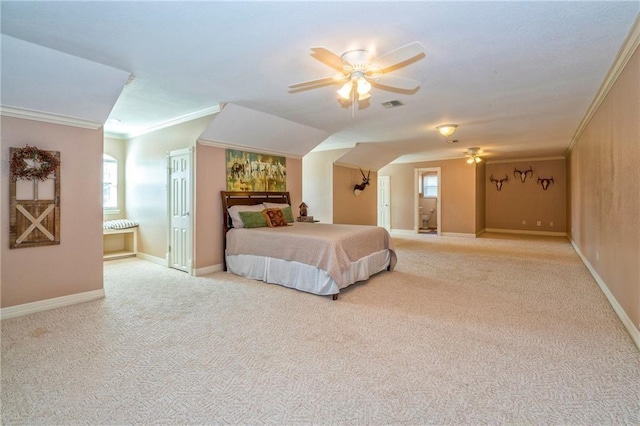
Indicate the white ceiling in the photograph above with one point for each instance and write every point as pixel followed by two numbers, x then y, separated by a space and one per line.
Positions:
pixel 517 77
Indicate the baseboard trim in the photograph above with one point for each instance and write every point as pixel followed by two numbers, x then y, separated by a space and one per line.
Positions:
pixel 403 232
pixel 458 234
pixel 524 232
pixel 626 321
pixel 199 272
pixel 45 305
pixel 153 259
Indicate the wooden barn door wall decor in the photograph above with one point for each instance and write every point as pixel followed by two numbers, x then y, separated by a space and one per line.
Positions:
pixel 35 197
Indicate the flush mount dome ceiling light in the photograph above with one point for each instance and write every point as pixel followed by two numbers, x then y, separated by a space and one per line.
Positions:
pixel 447 130
pixel 358 71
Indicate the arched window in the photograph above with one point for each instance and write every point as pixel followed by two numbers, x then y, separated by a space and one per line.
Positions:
pixel 109 182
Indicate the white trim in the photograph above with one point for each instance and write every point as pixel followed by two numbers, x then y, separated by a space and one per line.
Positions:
pixel 402 232
pixel 44 305
pixel 153 259
pixel 626 321
pixel 524 160
pixel 175 121
pixel 625 53
pixel 199 272
pixel 47 117
pixel 458 234
pixel 247 148
pixel 524 232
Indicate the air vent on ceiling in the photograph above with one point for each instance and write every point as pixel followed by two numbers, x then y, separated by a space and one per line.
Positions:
pixel 392 104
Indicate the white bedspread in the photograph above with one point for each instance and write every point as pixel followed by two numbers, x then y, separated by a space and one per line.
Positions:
pixel 332 248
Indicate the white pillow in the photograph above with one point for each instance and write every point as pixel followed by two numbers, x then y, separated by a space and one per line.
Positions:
pixel 276 205
pixel 234 212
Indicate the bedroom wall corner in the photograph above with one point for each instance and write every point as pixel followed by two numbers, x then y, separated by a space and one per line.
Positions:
pixel 317 183
pixel 210 180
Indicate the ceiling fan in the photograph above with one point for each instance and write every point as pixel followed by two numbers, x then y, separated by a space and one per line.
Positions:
pixel 358 70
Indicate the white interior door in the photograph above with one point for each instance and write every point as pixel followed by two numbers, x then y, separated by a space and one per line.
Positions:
pixel 180 248
pixel 384 202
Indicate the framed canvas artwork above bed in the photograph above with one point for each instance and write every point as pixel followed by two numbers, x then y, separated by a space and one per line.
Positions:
pixel 250 171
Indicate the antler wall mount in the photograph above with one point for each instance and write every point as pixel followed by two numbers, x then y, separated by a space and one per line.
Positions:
pixel 358 188
pixel 545 182
pixel 499 182
pixel 523 174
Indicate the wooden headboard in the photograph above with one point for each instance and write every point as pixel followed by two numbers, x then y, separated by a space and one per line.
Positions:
pixel 244 198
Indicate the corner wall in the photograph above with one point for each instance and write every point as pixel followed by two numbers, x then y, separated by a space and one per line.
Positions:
pixel 351 209
pixel 458 192
pixel 210 180
pixel 40 273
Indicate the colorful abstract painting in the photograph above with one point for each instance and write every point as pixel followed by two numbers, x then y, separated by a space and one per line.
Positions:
pixel 248 171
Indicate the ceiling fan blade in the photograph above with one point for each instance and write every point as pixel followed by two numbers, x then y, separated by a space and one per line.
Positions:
pixel 395 82
pixel 327 57
pixel 317 82
pixel 396 58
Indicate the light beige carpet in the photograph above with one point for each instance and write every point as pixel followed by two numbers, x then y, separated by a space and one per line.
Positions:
pixel 495 330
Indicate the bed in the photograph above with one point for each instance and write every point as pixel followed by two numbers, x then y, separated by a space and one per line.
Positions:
pixel 313 257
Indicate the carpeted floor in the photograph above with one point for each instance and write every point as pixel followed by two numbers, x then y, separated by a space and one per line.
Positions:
pixel 494 330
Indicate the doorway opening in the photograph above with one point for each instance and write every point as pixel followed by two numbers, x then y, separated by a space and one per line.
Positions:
pixel 427 200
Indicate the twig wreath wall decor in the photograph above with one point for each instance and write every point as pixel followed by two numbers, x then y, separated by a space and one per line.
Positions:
pixel 34 214
pixel 43 164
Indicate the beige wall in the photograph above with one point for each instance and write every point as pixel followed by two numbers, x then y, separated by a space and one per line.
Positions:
pixel 117 148
pixel 604 169
pixel 146 187
pixel 317 182
pixel 75 265
pixel 458 195
pixel 518 202
pixel 351 209
pixel 210 180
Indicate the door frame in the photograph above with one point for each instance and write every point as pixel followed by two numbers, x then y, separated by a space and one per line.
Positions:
pixel 172 153
pixel 416 203
pixel 388 187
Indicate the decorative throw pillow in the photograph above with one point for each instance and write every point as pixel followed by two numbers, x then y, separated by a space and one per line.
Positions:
pixel 274 217
pixel 286 210
pixel 234 212
pixel 253 219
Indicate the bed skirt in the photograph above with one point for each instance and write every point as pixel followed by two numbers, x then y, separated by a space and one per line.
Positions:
pixel 302 276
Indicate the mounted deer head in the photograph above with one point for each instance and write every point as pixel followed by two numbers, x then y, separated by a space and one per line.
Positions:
pixel 499 182
pixel 523 173
pixel 357 189
pixel 545 182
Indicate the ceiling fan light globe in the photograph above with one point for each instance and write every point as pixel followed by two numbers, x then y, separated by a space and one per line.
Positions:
pixel 363 86
pixel 470 160
pixel 345 91
pixel 363 97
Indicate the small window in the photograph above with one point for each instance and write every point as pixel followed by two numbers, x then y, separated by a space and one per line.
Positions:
pixel 109 182
pixel 430 188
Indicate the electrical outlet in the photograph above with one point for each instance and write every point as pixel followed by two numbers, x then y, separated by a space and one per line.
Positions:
pixel 524 222
pixel 550 223
pixel 539 223
pixel 598 256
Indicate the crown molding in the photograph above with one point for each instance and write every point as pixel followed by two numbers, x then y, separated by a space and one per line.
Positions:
pixel 173 122
pixel 524 160
pixel 627 50
pixel 255 149
pixel 46 117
